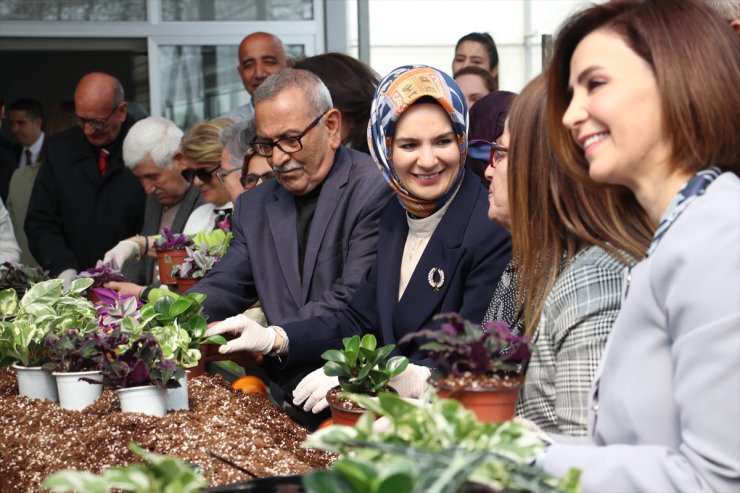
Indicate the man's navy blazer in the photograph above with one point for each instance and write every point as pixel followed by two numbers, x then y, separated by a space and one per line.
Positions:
pixel 262 260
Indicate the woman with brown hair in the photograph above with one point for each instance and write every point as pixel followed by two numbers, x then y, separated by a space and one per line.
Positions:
pixel 644 94
pixel 571 242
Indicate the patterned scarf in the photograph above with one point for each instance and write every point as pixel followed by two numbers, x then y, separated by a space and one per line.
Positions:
pixel 395 93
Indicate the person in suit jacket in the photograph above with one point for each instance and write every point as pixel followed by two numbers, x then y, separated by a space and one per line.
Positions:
pixel 437 252
pixel 302 241
pixel 149 152
pixel 84 199
pixel 665 406
pixel 571 243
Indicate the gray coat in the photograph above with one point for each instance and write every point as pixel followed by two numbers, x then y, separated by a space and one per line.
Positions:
pixel 665 404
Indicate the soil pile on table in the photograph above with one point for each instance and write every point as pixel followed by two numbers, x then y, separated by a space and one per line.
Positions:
pixel 38 438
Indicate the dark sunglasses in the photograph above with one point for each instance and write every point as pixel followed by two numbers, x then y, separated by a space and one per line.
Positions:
pixel 250 181
pixel 205 175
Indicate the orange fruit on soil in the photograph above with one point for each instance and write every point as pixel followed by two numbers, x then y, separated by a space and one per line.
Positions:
pixel 250 385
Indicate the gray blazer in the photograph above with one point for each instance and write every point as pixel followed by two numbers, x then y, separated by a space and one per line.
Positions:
pixel 665 405
pixel 576 319
pixel 141 272
pixel 262 260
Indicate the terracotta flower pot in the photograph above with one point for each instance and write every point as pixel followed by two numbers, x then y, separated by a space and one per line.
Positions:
pixel 490 405
pixel 344 412
pixel 168 259
pixel 184 283
pixel 341 412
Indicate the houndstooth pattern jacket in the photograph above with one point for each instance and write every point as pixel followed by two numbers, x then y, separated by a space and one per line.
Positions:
pixel 576 320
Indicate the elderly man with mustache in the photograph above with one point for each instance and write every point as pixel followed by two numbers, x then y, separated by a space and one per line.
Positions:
pixel 303 241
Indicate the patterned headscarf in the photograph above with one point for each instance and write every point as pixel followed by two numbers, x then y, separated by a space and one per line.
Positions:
pixel 396 92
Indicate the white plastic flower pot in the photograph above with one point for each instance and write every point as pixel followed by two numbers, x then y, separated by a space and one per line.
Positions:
pixel 35 383
pixel 75 393
pixel 148 399
pixel 177 399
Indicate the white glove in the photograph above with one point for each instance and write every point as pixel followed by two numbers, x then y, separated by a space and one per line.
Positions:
pixel 412 382
pixel 252 336
pixel 67 276
pixel 313 389
pixel 124 250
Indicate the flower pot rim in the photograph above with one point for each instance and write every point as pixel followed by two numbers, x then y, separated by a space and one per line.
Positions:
pixel 139 387
pixel 449 388
pixel 358 411
pixel 17 365
pixel 86 372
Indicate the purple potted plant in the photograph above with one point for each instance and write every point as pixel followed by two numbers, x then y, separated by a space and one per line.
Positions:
pixel 138 371
pixel 170 248
pixel 101 274
pixel 481 366
pixel 75 356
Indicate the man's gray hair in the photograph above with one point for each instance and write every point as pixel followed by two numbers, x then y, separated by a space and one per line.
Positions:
pixel 236 139
pixel 314 91
pixel 154 136
pixel 729 10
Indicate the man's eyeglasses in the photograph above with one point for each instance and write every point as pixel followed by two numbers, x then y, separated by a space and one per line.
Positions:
pixel 288 145
pixel 221 174
pixel 498 153
pixel 250 181
pixel 205 175
pixel 97 124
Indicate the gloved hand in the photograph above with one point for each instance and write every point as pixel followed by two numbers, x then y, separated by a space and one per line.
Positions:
pixel 67 276
pixel 412 381
pixel 124 250
pixel 313 389
pixel 251 335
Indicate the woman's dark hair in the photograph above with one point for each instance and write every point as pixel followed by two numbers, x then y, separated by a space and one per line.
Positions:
pixel 695 59
pixel 351 84
pixel 486 40
pixel 489 80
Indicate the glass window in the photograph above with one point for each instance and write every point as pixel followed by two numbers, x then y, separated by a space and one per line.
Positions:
pixel 73 10
pixel 235 10
pixel 200 82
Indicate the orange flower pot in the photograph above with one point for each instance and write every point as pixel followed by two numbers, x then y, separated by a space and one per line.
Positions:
pixel 490 405
pixel 168 259
pixel 185 283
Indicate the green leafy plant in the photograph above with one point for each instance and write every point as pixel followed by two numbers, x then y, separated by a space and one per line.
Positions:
pixel 160 474
pixel 214 242
pixel 178 324
pixel 433 445
pixel 45 308
pixel 362 367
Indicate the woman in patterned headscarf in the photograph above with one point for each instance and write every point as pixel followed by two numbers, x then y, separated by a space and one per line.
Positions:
pixel 437 250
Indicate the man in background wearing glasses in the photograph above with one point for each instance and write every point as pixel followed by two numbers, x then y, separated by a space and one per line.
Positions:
pixel 84 199
pixel 303 240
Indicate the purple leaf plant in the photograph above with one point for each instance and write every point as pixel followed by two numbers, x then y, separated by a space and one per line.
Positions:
pixel 459 346
pixel 172 241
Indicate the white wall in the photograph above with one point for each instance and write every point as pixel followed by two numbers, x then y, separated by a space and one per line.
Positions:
pixel 425 31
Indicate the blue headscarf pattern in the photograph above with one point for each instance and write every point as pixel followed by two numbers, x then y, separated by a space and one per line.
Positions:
pixel 396 92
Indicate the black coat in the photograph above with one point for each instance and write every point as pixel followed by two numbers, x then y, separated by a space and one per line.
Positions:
pixel 75 215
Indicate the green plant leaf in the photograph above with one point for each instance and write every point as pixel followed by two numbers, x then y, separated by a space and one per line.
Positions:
pixel 369 342
pixel 358 474
pixel 333 369
pixel 396 483
pixel 326 482
pixel 179 306
pixel 335 355
pixel 397 365
pixel 217 339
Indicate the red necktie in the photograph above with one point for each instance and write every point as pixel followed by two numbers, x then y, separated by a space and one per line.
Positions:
pixel 102 161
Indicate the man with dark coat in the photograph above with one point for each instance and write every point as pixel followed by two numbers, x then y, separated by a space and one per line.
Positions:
pixel 84 199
